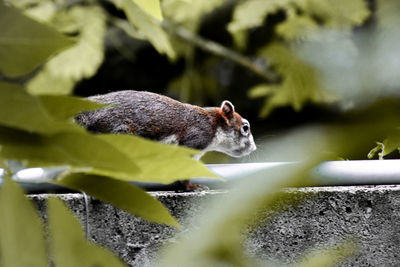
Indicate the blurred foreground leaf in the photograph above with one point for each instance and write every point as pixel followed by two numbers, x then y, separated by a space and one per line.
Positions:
pixel 68 244
pixel 300 82
pixel 79 61
pixel 159 162
pixel 122 195
pixel 152 7
pixel 78 150
pixel 217 241
pixel 23 111
pixel 147 25
pixel 22 240
pixel 66 107
pixel 389 145
pixel 327 257
pixel 25 43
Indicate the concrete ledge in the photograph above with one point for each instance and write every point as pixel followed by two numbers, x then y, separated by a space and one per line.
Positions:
pixel 325 216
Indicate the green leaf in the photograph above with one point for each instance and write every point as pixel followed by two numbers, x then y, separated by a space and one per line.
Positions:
pixel 328 256
pixel 249 14
pixel 217 239
pixel 68 244
pixel 338 13
pixel 148 26
pixel 81 151
pixel 122 195
pixel 23 111
pixel 159 162
pixel 298 28
pixel 81 60
pixel 42 11
pixel 46 83
pixel 22 240
pixel 261 90
pixel 152 7
pixel 25 43
pixel 66 107
pixel 300 81
pixel 189 13
pixel 116 156
pixel 390 144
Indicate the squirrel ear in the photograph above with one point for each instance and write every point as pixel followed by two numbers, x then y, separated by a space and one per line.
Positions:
pixel 227 109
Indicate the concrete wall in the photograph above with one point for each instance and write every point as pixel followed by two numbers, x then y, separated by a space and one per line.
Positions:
pixel 325 216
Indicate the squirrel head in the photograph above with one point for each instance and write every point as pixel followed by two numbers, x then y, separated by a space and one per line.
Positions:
pixel 233 135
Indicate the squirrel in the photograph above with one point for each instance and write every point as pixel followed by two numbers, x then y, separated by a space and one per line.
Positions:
pixel 169 121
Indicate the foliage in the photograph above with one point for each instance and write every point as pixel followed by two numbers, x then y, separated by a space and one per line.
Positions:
pixel 216 236
pixel 16 234
pixel 23 244
pixel 22 50
pixel 47 47
pixel 68 245
pixel 39 130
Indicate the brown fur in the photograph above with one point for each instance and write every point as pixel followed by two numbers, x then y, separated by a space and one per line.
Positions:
pixel 159 117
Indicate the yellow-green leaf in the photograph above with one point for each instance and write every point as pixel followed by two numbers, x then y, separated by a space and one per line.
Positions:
pixel 390 144
pixel 81 60
pixel 122 195
pixel 23 111
pixel 68 244
pixel 252 13
pixel 300 82
pixel 46 83
pixel 338 13
pixel 189 13
pixel 328 256
pixel 22 240
pixel 81 151
pixel 261 90
pixel 25 43
pixel 147 26
pixel 298 28
pixel 66 107
pixel 159 162
pixel 152 7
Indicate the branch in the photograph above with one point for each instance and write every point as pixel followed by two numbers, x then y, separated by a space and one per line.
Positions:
pixel 217 49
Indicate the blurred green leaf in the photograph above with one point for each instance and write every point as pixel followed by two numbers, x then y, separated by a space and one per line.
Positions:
pixel 23 111
pixel 81 60
pixel 78 150
pixel 217 239
pixel 66 107
pixel 25 43
pixel 159 162
pixel 69 246
pixel 152 7
pixel 42 11
pixel 300 81
pixel 390 144
pixel 251 13
pixel 298 28
pixel 22 240
pixel 122 195
pixel 46 83
pixel 116 156
pixel 337 13
pixel 327 257
pixel 189 13
pixel 261 90
pixel 147 25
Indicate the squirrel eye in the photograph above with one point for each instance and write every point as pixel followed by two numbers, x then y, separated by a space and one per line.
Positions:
pixel 245 129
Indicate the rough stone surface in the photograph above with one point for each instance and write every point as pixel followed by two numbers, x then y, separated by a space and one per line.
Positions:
pixel 324 216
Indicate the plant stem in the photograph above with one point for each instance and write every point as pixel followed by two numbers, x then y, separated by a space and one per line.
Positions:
pixel 218 49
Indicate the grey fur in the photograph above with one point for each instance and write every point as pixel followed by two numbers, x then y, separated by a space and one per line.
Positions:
pixel 158 118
